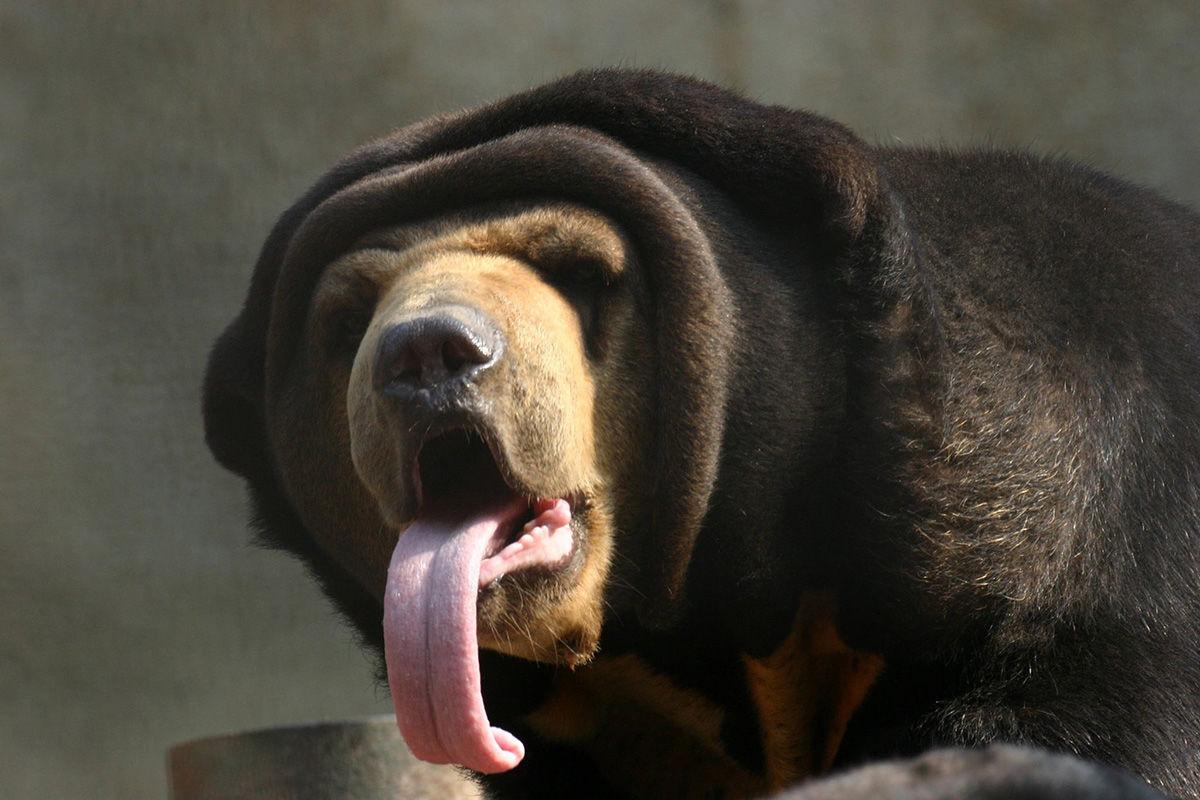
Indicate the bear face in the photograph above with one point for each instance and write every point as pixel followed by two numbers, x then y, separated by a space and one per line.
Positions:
pixel 553 288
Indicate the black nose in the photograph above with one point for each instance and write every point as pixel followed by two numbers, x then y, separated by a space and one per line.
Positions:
pixel 434 356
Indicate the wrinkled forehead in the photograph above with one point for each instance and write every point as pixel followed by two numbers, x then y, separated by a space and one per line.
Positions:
pixel 552 238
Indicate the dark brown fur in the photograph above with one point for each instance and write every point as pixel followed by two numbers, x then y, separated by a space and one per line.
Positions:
pixel 954 393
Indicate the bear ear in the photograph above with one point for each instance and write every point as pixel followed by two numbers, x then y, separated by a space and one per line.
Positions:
pixel 233 397
pixel 233 402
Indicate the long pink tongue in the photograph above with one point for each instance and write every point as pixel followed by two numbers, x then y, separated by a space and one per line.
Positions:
pixel 430 642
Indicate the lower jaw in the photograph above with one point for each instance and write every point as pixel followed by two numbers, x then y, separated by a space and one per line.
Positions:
pixel 517 617
pixel 536 617
pixel 572 649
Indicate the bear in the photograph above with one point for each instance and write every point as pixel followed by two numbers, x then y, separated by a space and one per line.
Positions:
pixel 667 444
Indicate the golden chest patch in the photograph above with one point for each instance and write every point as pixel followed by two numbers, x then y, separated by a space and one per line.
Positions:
pixel 805 693
pixel 653 738
pixel 650 737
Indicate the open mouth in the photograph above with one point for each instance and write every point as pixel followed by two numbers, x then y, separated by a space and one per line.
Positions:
pixel 473 529
pixel 457 475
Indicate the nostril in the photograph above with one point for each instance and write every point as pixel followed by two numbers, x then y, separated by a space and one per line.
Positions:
pixel 461 352
pixel 408 367
pixel 453 357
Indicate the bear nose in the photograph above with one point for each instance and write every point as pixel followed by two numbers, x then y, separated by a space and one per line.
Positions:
pixel 434 356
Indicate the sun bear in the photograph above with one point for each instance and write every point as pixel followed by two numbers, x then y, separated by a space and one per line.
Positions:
pixel 667 444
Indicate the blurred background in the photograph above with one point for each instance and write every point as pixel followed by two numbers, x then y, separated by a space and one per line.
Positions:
pixel 145 149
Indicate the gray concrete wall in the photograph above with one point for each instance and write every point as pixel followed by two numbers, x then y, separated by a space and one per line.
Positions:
pixel 146 148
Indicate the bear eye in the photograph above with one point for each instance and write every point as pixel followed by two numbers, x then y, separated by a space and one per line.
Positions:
pixel 344 333
pixel 583 296
pixel 584 285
